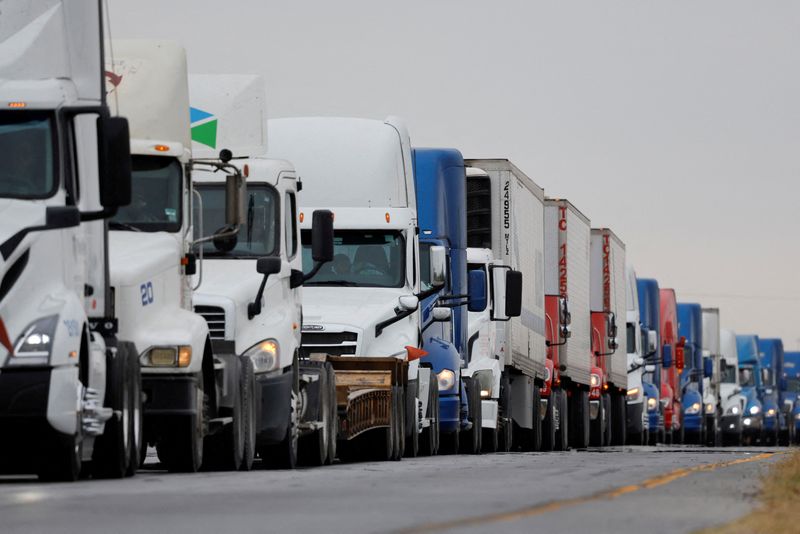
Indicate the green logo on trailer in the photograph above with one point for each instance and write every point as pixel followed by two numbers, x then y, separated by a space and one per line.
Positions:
pixel 204 127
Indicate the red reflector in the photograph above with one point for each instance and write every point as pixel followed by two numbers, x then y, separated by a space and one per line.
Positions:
pixel 415 353
pixel 4 340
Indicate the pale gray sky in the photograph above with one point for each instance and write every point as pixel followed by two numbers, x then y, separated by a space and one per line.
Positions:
pixel 675 123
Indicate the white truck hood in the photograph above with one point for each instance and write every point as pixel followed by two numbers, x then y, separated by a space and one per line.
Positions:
pixel 237 280
pixel 135 256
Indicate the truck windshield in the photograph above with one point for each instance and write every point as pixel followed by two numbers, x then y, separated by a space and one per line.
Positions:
pixel 727 373
pixel 361 258
pixel 27 144
pixel 156 185
pixel 746 377
pixel 257 237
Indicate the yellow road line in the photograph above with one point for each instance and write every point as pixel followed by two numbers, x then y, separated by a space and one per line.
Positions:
pixel 551 506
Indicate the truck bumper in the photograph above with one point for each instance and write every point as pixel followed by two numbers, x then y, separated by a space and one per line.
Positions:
pixel 449 413
pixel 634 419
pixel 731 424
pixel 273 401
pixel 751 426
pixel 169 395
pixel 770 423
pixel 23 419
pixel 655 421
pixel 693 423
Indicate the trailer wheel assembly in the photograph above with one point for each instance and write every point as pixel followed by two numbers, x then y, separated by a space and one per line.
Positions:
pixel 411 421
pixel 313 448
pixel 505 419
pixel 138 447
pixel 618 419
pixel 181 445
pixel 579 420
pixel 561 442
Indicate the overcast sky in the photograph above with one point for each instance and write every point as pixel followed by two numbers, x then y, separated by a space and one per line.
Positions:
pixel 675 123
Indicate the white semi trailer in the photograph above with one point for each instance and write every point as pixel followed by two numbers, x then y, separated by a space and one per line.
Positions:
pixel 196 405
pixel 69 384
pixel 505 232
pixel 249 289
pixel 361 311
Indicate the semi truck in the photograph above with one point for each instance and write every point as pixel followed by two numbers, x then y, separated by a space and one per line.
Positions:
pixel 194 411
pixel 672 362
pixel 505 218
pixel 361 310
pixel 691 378
pixel 469 410
pixel 790 387
pixel 775 415
pixel 575 404
pixel 249 288
pixel 750 381
pixel 608 305
pixel 70 389
pixel 637 421
pixel 713 407
pixel 733 401
pixel 649 309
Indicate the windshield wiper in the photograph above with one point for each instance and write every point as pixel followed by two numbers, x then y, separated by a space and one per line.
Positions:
pixel 343 283
pixel 116 225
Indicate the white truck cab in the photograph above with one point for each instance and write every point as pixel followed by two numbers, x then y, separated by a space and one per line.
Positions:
pixel 637 420
pixel 732 401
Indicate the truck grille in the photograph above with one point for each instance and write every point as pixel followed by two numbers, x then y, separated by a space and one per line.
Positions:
pixel 334 343
pixel 215 317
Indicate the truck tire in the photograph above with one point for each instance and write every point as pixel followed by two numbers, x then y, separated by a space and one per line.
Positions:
pixel 618 419
pixel 412 421
pixel 112 450
pixel 427 439
pixel 530 439
pixel 313 448
pixel 283 455
pixel 549 424
pixel 561 442
pixel 247 386
pixel 579 423
pixel 181 446
pixel 224 450
pixel 62 460
pixel 400 424
pixel 507 427
pixel 333 415
pixel 471 444
pixel 138 447
pixel 608 423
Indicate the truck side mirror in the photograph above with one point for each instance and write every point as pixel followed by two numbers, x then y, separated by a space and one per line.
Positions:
pixel 267 265
pixel 708 367
pixel 438 274
pixel 650 368
pixel 513 293
pixel 476 288
pixel 114 161
pixel 322 236
pixel 442 314
pixel 62 217
pixel 235 199
pixel 680 357
pixel 666 358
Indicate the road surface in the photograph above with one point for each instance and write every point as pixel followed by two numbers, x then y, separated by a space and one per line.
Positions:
pixel 620 490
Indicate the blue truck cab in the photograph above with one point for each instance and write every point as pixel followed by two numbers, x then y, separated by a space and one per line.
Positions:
pixel 690 332
pixel 649 309
pixel 790 391
pixel 751 384
pixel 775 415
pixel 441 209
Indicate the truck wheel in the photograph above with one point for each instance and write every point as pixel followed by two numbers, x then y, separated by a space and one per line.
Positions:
pixel 608 422
pixel 313 448
pixel 530 439
pixel 412 419
pixel 579 420
pixel 399 424
pixel 112 450
pixel 490 439
pixel 224 451
pixel 472 443
pixel 549 424
pixel 506 426
pixel 247 386
pixel 596 426
pixel 138 447
pixel 333 415
pixel 618 405
pixel 427 439
pixel 62 461
pixel 181 446
pixel 561 442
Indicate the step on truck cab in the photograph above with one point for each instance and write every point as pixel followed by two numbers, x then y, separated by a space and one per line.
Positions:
pixel 608 347
pixel 649 309
pixel 637 422
pixel 712 360
pixel 441 205
pixel 249 288
pixel 775 414
pixel 578 409
pixel 191 395
pixel 70 397
pixel 361 311
pixel 790 388
pixel 750 380
pixel 505 220
pixel 733 400
pixel 691 378
pixel 671 349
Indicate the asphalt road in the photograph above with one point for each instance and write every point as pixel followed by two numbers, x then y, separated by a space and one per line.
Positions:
pixel 620 490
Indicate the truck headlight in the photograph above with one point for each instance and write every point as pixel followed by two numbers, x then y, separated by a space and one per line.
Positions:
pixel 732 410
pixel 754 410
pixel 265 355
pixel 180 356
pixel 770 413
pixel 709 408
pixel 652 404
pixel 634 394
pixel 35 344
pixel 594 380
pixel 797 417
pixel 447 379
pixel 694 409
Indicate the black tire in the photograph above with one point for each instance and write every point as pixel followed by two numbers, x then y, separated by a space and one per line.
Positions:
pixel 548 424
pixel 138 447
pixel 313 448
pixel 561 442
pixel 579 420
pixel 62 462
pixel 608 423
pixel 412 421
pixel 471 444
pixel 283 455
pixel 450 443
pixel 618 419
pixel 490 439
pixel 596 434
pixel 504 411
pixel 398 400
pixel 224 451
pixel 635 438
pixel 181 446
pixel 333 429
pixel 530 439
pixel 112 450
pixel 427 438
pixel 247 386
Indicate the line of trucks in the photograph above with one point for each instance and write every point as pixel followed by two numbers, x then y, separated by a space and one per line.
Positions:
pixel 179 272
